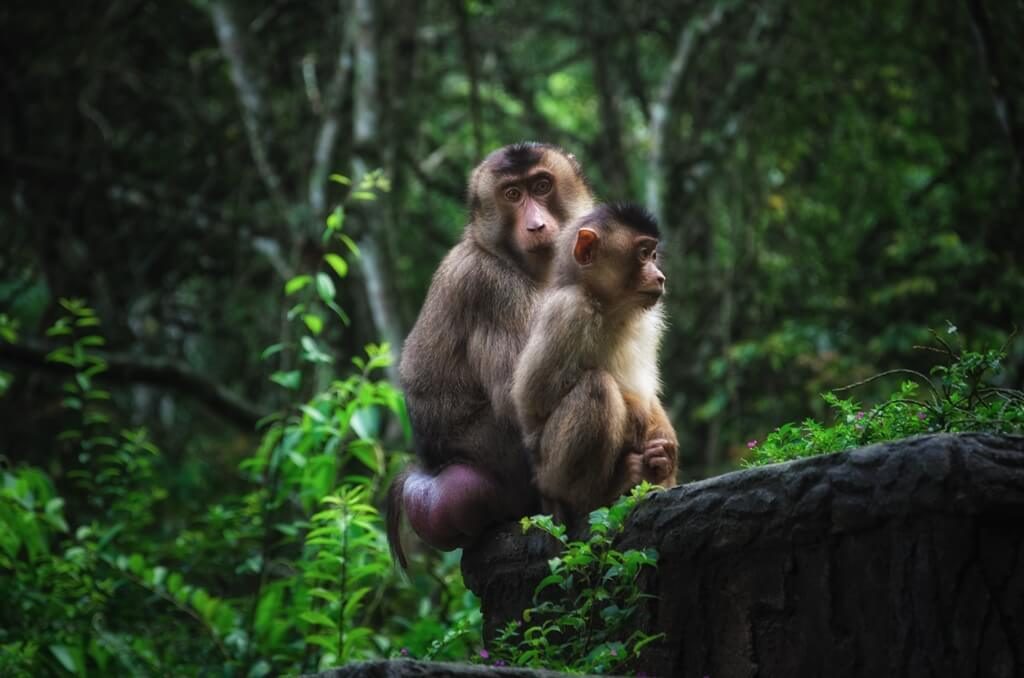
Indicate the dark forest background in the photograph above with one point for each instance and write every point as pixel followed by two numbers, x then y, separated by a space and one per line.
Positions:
pixel 833 179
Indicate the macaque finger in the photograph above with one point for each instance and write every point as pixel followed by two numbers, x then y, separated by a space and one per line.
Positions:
pixel 657 461
pixel 657 444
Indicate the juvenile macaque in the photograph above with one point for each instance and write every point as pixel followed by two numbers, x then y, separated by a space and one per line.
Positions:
pixel 458 360
pixel 586 385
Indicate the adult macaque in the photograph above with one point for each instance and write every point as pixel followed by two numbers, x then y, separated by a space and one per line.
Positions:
pixel 586 385
pixel 458 360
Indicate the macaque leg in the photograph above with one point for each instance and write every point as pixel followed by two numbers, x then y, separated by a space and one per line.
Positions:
pixel 580 446
pixel 450 509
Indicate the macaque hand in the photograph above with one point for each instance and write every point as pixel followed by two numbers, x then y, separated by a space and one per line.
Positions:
pixel 658 457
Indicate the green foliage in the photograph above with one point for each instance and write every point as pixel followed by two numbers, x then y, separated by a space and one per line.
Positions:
pixel 959 396
pixel 292 574
pixel 584 614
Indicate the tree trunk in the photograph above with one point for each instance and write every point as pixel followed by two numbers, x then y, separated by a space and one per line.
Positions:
pixel 661 105
pixel 365 137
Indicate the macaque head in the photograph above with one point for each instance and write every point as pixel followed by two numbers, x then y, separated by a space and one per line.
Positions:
pixel 521 196
pixel 613 253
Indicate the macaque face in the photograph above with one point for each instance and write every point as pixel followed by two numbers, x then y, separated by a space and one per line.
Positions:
pixel 528 203
pixel 649 282
pixel 620 267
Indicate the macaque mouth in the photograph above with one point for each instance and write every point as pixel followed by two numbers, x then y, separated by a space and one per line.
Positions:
pixel 538 240
pixel 651 296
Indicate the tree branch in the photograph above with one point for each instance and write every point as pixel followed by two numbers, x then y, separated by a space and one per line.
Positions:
pixel 472 72
pixel 125 367
pixel 323 150
pixel 609 142
pixel 250 96
pixel 365 132
pixel 1003 102
pixel 660 107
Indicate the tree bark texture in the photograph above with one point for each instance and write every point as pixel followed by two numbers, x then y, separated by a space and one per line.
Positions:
pixel 898 559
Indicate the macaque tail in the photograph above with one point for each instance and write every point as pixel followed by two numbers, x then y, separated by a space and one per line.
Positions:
pixel 394 518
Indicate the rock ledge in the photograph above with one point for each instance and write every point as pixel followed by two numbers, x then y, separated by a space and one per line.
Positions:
pixel 898 559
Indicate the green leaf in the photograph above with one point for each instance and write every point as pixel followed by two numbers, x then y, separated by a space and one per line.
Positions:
pixel 353 601
pixel 313 352
pixel 63 655
pixel 296 284
pixel 339 312
pixel 290 380
pixel 328 643
pixel 349 243
pixel 314 322
pixel 318 618
pixel 175 582
pixel 339 265
pixel 367 454
pixel 362 195
pixel 340 179
pixel 324 594
pixel 271 350
pixel 366 422
pixel 313 413
pixel 325 287
pixel 550 580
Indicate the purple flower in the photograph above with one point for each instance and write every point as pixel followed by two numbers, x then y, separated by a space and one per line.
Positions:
pixel 614 652
pixel 500 662
pixel 404 652
pixel 751 444
pixel 484 654
pixel 860 415
pixel 922 416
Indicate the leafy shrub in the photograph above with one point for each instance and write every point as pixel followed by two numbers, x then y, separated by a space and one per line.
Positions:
pixel 589 624
pixel 960 395
pixel 291 574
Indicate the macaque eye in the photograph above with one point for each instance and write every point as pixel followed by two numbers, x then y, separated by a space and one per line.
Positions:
pixel 542 187
pixel 645 253
pixel 513 194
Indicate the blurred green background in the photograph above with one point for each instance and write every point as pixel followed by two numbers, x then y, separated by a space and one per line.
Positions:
pixel 833 180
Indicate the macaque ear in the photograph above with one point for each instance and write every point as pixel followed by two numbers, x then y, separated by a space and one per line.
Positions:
pixel 586 243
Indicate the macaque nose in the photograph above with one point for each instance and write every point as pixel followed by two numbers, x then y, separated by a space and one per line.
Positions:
pixel 660 278
pixel 535 226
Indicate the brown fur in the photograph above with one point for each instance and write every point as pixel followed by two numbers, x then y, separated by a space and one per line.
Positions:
pixel 586 385
pixel 457 363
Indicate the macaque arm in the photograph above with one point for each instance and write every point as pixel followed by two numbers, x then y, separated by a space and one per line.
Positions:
pixel 549 364
pixel 491 351
pixel 579 449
